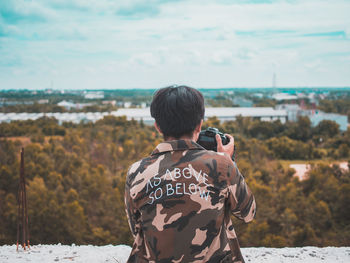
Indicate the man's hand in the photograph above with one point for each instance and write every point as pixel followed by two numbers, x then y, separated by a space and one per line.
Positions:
pixel 228 148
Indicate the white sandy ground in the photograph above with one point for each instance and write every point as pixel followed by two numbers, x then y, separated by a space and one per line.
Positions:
pixel 301 169
pixel 119 254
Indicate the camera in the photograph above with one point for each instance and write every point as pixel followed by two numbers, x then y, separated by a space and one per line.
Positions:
pixel 207 138
pixel 208 141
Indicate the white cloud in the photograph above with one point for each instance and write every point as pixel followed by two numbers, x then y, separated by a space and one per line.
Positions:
pixel 222 57
pixel 145 59
pixel 206 38
pixel 245 53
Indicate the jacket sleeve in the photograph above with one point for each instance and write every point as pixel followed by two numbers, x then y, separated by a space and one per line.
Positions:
pixel 130 211
pixel 240 198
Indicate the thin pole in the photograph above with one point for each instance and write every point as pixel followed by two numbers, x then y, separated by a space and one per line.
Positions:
pixel 18 214
pixel 22 201
pixel 25 204
pixel 22 220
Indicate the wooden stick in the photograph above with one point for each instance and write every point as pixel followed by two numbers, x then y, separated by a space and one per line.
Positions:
pixel 22 217
pixel 25 205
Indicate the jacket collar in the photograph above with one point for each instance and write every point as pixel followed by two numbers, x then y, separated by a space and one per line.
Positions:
pixel 176 145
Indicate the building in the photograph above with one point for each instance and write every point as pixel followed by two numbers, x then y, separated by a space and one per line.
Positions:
pixel 70 105
pixel 43 101
pixel 317 116
pixel 284 96
pixel 261 113
pixel 293 110
pixel 242 102
pixel 66 104
pixel 222 113
pixel 94 95
pixel 109 102
pixel 12 116
pixel 291 113
pixel 138 114
pixel 127 104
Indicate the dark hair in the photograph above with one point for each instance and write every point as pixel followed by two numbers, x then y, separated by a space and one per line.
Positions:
pixel 177 110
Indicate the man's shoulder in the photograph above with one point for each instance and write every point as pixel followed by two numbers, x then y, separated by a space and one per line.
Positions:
pixel 219 157
pixel 220 162
pixel 133 167
pixel 139 166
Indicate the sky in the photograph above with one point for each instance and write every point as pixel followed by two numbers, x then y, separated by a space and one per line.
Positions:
pixel 123 44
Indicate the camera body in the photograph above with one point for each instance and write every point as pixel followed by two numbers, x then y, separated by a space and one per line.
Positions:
pixel 208 141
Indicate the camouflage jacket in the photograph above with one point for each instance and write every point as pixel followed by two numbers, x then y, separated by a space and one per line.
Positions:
pixel 179 201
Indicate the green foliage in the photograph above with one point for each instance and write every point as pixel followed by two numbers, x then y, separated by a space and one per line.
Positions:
pixel 43 126
pixel 341 106
pixel 34 107
pixel 327 128
pixel 76 177
pixel 221 101
pixel 286 148
pixel 75 181
pixel 264 102
pixel 301 130
pixel 264 130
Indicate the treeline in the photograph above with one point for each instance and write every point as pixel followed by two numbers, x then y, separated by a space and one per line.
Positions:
pixel 49 107
pixel 336 105
pixel 292 212
pixel 76 174
pixel 289 141
pixel 32 108
pixel 75 182
pixel 29 101
pixel 34 129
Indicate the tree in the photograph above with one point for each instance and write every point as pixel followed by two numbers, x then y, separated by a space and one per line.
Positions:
pixel 327 128
pixel 285 148
pixel 76 181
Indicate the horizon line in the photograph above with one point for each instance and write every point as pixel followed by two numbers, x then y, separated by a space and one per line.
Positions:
pixel 200 88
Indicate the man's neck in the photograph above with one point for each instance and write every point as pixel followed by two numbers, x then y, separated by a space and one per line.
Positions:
pixel 181 138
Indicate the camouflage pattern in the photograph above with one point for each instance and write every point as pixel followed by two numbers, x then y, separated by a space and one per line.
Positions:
pixel 179 201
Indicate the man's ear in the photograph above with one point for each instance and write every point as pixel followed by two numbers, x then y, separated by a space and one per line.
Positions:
pixel 199 127
pixel 157 128
pixel 197 130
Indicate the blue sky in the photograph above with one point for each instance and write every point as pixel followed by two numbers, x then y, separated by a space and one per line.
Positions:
pixel 106 44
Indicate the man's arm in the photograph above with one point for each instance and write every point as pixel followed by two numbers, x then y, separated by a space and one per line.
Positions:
pixel 130 213
pixel 241 200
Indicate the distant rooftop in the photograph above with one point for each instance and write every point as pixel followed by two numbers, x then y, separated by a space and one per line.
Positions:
pixel 284 96
pixel 263 113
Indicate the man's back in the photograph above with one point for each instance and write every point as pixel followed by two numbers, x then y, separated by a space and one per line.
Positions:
pixel 179 202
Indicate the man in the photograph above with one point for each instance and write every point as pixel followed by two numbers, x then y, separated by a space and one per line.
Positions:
pixel 180 198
